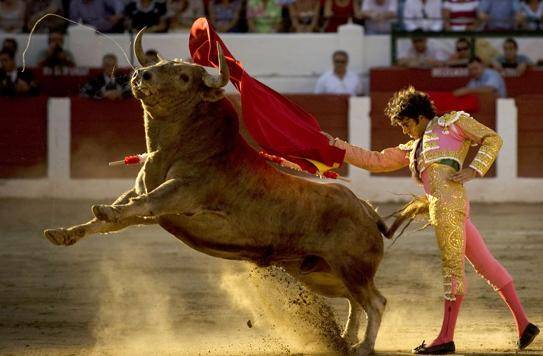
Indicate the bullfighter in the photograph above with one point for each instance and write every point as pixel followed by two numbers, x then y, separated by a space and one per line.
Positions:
pixel 435 156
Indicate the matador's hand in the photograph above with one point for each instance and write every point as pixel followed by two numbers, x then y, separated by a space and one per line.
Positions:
pixel 464 175
pixel 331 139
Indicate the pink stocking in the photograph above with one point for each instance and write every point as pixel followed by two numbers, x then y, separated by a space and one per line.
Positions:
pixel 510 297
pixel 450 314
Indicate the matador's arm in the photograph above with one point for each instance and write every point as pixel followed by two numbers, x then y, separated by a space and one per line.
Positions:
pixel 389 159
pixel 487 138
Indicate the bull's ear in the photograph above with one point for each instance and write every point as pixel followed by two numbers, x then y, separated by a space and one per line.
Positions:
pixel 213 94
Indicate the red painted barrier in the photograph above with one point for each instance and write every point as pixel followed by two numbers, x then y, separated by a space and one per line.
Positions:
pixel 23 138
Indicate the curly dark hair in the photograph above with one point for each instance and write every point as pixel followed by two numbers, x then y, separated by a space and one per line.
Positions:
pixel 409 103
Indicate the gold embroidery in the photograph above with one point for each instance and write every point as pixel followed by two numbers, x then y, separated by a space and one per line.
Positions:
pixel 447 214
pixel 489 140
pixel 408 146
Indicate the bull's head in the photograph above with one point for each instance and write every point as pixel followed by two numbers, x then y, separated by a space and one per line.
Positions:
pixel 166 85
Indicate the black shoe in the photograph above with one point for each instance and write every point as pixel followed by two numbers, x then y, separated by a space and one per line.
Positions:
pixel 528 335
pixel 447 348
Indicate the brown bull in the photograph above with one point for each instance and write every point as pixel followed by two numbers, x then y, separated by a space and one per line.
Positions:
pixel 205 185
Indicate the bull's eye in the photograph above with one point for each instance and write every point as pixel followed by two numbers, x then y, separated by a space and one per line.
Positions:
pixel 184 77
pixel 146 76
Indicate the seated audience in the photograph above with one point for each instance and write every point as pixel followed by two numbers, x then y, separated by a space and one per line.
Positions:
pixel 499 14
pixel 531 14
pixel 55 56
pixel 106 85
pixel 264 16
pixel 460 15
pixel 225 15
pixel 152 55
pixel 483 80
pixel 12 16
pixel 511 61
pixel 461 55
pixel 378 15
pixel 422 15
pixel 14 82
pixel 304 15
pixel 35 9
pixel 422 54
pixel 103 15
pixel 339 80
pixel 146 13
pixel 10 44
pixel 182 13
pixel 339 12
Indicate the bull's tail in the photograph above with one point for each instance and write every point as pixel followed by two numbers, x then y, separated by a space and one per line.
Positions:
pixel 419 205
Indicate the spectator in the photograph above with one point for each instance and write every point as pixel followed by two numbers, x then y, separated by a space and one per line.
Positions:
pixel 12 16
pixel 339 12
pixel 500 14
pixel 422 54
pixel 225 15
pixel 483 80
pixel 55 56
pixel 304 15
pixel 10 44
pixel 460 15
pixel 264 16
pixel 103 15
pixel 146 13
pixel 461 55
pixel 151 55
pixel 35 9
pixel 182 13
pixel 422 15
pixel 511 60
pixel 106 85
pixel 379 15
pixel 531 13
pixel 13 82
pixel 339 80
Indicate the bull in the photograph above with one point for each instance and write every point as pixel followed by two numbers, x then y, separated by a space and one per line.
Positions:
pixel 206 186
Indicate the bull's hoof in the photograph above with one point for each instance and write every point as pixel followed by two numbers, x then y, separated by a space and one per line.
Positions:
pixel 362 349
pixel 60 237
pixel 105 213
pixel 349 338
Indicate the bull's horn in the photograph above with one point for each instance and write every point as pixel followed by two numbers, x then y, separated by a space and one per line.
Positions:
pixel 138 50
pixel 220 80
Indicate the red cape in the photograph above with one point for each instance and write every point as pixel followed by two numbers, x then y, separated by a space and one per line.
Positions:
pixel 278 125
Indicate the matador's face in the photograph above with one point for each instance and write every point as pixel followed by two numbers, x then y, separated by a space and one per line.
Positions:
pixel 412 128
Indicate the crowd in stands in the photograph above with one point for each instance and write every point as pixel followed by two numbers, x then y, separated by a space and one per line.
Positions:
pixel 269 16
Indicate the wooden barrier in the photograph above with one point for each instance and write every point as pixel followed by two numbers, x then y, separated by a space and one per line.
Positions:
pixel 383 135
pixel 530 135
pixel 23 138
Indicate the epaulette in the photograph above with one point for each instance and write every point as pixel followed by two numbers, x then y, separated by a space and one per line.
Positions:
pixel 450 118
pixel 408 146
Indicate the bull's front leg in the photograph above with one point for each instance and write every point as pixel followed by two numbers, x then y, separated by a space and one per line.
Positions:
pixel 165 199
pixel 69 236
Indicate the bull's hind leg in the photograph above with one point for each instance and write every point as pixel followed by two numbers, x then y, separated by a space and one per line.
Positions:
pixel 374 304
pixel 350 334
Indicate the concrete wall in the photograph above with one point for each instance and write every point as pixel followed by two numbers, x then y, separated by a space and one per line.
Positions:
pixel 506 186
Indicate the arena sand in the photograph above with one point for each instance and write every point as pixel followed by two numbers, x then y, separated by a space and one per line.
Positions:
pixel 142 292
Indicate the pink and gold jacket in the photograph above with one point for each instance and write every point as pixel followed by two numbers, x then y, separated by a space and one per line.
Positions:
pixel 446 138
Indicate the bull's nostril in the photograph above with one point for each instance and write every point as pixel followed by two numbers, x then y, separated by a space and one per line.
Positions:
pixel 146 76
